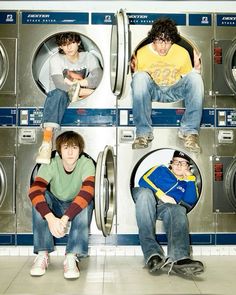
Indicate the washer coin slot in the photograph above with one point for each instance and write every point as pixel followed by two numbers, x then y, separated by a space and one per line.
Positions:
pixel 225 136
pixel 27 136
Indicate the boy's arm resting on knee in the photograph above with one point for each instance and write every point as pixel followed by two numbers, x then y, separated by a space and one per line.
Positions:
pixel 167 199
pixel 84 197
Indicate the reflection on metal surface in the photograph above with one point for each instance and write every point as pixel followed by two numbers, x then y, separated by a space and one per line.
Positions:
pixel 3 187
pixel 105 191
pixel 229 67
pixel 230 184
pixel 119 52
pixel 4 65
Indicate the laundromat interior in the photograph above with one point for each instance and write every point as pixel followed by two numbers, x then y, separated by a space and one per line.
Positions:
pixel 113 31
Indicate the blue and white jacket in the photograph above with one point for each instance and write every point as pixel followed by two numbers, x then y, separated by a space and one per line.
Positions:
pixel 162 180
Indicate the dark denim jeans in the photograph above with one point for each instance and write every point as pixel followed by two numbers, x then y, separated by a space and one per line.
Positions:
pixel 54 108
pixel 79 230
pixel 175 222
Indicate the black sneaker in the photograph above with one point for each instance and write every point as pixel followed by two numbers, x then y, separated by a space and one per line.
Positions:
pixel 155 263
pixel 188 267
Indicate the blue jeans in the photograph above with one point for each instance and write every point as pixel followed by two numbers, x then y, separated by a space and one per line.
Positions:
pixel 55 105
pixel 145 90
pixel 79 231
pixel 175 223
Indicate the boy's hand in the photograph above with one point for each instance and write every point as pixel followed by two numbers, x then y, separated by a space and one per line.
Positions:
pixel 167 199
pixel 197 60
pixel 55 225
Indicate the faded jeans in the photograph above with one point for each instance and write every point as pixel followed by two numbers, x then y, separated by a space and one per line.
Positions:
pixel 175 223
pixel 79 231
pixel 55 105
pixel 145 90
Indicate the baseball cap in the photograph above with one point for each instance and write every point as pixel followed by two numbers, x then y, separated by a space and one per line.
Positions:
pixel 180 154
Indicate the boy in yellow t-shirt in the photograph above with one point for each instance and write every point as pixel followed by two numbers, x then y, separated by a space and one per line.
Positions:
pixel 163 72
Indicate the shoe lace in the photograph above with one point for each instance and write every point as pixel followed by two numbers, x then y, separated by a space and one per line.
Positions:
pixel 71 263
pixel 191 140
pixel 41 261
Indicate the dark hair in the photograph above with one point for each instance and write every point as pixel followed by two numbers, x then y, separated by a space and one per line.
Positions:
pixel 68 38
pixel 71 138
pixel 164 29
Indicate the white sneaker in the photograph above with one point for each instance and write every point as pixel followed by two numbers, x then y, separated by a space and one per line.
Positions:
pixel 44 154
pixel 40 265
pixel 71 269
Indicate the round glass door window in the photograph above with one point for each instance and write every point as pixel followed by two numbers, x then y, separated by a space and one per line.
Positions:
pixel 48 48
pixel 162 157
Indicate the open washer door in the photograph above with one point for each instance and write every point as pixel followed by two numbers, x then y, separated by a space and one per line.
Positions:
pixel 120 47
pixel 105 190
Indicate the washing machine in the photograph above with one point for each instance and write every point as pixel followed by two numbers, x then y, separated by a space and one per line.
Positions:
pixel 224 87
pixel 129 33
pixel 7 185
pixel 196 32
pixel 224 173
pixel 8 57
pixel 131 165
pixel 224 63
pixel 102 151
pixel 37 49
pixel 8 86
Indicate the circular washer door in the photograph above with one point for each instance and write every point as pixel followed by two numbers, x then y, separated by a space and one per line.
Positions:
pixel 4 65
pixel 120 39
pixel 48 48
pixel 160 157
pixel 105 190
pixel 230 184
pixel 230 69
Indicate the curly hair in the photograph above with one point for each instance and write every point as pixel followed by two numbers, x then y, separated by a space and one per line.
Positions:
pixel 164 29
pixel 70 138
pixel 68 38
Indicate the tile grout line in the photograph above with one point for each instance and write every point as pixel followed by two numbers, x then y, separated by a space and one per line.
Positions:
pixel 106 250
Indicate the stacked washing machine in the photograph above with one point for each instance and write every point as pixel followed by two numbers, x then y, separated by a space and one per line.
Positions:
pixel 224 160
pixel 196 32
pixel 8 84
pixel 105 119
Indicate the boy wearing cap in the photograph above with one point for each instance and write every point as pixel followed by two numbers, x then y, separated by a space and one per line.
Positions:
pixel 167 194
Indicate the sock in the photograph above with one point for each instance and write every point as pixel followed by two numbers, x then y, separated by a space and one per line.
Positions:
pixel 44 253
pixel 47 135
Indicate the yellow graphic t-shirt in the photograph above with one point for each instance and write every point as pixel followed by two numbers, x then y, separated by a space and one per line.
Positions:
pixel 164 70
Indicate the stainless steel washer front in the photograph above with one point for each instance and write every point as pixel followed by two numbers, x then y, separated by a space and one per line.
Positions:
pixel 7 180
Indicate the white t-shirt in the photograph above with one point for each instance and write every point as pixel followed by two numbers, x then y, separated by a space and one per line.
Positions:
pixel 87 64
